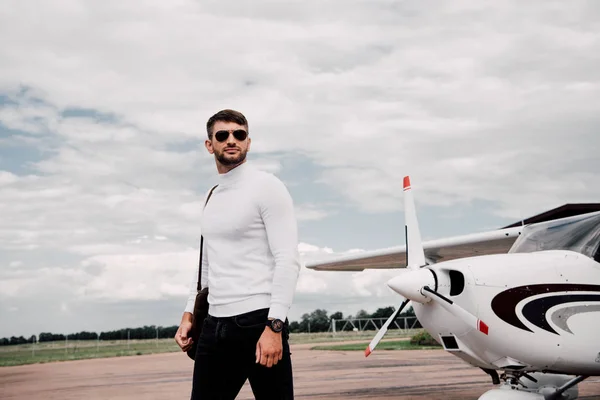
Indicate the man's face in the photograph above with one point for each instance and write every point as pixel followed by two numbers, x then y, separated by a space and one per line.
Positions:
pixel 230 151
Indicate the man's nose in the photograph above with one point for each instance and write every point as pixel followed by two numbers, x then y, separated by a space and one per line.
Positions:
pixel 231 139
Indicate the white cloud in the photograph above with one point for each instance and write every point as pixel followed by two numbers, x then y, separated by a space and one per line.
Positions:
pixel 311 250
pixel 149 275
pixel 367 283
pixel 10 288
pixel 7 178
pixel 462 106
pixel 309 212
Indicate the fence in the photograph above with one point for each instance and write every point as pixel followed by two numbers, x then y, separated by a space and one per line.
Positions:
pixel 366 324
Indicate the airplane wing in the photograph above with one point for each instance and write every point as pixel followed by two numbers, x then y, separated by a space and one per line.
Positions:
pixel 476 244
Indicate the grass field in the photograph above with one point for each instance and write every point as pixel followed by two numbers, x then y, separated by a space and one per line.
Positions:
pixel 303 338
pixel 387 345
pixel 86 349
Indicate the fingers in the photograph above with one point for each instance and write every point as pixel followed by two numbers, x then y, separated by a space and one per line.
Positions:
pixel 268 358
pixel 258 353
pixel 185 346
pixel 274 358
pixel 267 361
pixel 184 342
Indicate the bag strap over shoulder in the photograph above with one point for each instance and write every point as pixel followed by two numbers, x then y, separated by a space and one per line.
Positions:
pixel 198 286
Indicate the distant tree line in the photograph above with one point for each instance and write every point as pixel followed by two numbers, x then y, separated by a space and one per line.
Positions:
pixel 316 321
pixel 146 332
pixel 16 340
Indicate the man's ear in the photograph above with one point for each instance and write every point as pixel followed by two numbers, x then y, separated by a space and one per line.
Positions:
pixel 249 143
pixel 209 146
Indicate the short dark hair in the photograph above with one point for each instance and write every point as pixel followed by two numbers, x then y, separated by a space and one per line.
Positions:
pixel 226 115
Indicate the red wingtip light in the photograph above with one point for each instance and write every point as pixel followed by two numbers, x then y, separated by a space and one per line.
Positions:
pixel 367 351
pixel 483 328
pixel 406 182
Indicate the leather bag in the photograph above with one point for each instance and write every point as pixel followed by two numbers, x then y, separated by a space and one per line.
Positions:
pixel 201 303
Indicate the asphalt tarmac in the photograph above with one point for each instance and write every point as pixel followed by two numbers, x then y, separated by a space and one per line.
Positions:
pixel 409 374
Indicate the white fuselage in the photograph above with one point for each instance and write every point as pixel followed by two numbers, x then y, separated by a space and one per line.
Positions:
pixel 542 310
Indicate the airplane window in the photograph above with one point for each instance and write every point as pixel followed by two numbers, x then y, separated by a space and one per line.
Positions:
pixel 457 283
pixel 580 233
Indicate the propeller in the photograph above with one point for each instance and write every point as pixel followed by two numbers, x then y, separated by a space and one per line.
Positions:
pixel 384 328
pixel 457 310
pixel 415 256
pixel 414 283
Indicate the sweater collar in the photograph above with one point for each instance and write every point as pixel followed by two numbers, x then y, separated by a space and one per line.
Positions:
pixel 234 175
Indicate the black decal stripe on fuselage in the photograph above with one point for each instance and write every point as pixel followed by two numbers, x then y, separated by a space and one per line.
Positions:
pixel 504 304
pixel 535 311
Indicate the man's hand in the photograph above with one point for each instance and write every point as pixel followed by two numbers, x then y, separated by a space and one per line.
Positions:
pixel 269 348
pixel 182 336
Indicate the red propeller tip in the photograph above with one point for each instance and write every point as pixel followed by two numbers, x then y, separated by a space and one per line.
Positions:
pixel 406 182
pixel 367 351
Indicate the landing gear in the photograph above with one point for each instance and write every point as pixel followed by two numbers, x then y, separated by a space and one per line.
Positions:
pixel 558 394
pixel 534 386
pixel 493 374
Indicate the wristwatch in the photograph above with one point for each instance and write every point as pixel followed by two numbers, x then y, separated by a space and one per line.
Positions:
pixel 276 325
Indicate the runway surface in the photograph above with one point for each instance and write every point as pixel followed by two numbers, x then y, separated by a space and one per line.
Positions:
pixel 411 374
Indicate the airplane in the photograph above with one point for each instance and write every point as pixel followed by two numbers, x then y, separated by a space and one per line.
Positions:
pixel 522 300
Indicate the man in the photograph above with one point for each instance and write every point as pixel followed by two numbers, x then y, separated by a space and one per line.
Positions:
pixel 250 265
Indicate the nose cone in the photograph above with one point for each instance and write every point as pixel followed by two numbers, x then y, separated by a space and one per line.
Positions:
pixel 409 282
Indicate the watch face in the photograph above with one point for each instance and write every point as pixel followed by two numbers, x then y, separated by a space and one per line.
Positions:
pixel 277 325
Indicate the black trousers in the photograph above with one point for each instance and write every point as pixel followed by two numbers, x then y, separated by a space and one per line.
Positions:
pixel 226 357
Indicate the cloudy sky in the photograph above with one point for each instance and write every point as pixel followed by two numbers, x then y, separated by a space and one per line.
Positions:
pixel 493 109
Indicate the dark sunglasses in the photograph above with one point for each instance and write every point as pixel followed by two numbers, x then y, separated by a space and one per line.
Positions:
pixel 239 134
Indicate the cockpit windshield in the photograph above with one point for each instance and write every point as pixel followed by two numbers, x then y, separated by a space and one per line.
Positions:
pixel 580 233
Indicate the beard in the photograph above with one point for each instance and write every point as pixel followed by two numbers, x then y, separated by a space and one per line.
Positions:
pixel 227 159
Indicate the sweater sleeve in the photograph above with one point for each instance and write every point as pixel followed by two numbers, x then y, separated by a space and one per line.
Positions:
pixel 191 300
pixel 277 211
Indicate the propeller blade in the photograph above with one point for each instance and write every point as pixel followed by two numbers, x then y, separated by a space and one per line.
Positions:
pixel 458 311
pixel 415 256
pixel 384 329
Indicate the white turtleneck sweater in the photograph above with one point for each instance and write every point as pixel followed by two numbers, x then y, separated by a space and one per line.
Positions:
pixel 250 257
